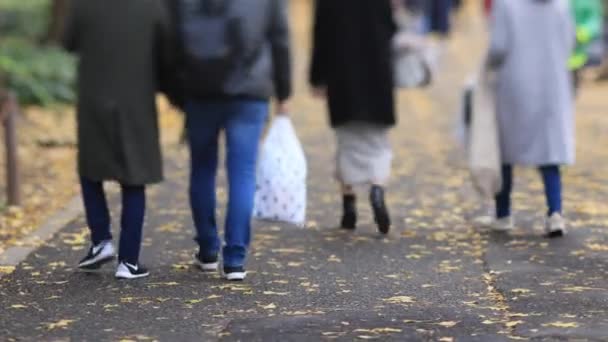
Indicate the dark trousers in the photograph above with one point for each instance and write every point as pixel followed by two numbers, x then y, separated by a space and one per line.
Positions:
pixel 99 220
pixel 553 190
pixel 439 12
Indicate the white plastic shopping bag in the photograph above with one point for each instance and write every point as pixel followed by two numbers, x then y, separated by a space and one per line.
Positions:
pixel 281 176
pixel 484 146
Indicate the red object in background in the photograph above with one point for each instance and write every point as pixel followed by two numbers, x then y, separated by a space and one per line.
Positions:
pixel 488 6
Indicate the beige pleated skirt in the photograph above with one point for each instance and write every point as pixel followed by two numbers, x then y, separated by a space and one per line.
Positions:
pixel 364 154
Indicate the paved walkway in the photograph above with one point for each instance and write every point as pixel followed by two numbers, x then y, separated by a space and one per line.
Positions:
pixel 434 278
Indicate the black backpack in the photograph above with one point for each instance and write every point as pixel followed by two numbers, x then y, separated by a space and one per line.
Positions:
pixel 212 42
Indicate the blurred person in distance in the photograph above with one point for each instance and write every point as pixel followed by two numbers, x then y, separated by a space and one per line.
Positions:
pixel 241 49
pixel 534 98
pixel 352 68
pixel 123 47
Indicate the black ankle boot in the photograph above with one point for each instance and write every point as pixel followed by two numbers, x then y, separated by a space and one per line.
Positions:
pixel 349 218
pixel 381 215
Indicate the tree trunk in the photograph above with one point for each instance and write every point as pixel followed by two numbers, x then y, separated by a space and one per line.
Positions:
pixel 59 11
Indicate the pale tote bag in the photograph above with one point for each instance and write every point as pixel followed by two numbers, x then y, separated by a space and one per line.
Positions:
pixel 484 145
pixel 281 176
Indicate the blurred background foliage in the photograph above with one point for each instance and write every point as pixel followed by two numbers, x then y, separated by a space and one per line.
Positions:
pixel 31 64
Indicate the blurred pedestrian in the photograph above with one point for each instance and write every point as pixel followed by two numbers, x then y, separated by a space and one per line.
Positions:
pixel 235 56
pixel 531 42
pixel 439 16
pixel 122 46
pixel 352 67
pixel 588 15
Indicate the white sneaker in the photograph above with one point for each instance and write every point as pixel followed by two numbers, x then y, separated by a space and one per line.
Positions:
pixel 555 226
pixel 504 224
pixel 235 273
pixel 129 271
pixel 207 266
pixel 97 257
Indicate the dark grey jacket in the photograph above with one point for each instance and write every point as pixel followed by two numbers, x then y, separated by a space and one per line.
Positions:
pixel 122 46
pixel 268 73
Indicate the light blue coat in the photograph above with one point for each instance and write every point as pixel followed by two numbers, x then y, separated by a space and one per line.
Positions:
pixel 531 42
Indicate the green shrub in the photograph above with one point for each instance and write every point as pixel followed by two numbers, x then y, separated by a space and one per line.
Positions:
pixel 24 18
pixel 41 75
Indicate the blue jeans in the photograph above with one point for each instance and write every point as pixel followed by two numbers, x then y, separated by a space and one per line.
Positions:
pixel 132 220
pixel 553 190
pixel 243 122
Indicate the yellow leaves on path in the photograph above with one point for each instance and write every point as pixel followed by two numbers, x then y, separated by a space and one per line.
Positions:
pixel 334 258
pixel 560 324
pixel 270 306
pixel 18 306
pixel 61 324
pixel 521 291
pixel 448 324
pixel 76 239
pixel 379 331
pixel 399 300
pixel 272 293
pixel 596 247
pixel 172 227
pixel 288 251
pixel 7 269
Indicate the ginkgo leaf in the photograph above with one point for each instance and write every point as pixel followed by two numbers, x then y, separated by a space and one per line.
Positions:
pixel 399 300
pixel 64 323
pixel 448 324
pixel 562 325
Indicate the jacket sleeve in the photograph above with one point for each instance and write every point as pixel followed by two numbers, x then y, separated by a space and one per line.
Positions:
pixel 318 68
pixel 70 35
pixel 279 37
pixel 499 36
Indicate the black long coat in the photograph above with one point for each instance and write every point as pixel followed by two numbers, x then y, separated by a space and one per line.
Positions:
pixel 352 57
pixel 121 46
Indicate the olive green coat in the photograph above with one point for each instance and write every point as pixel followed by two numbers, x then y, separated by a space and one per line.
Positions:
pixel 122 45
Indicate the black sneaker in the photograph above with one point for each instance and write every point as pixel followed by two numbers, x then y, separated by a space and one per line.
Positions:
pixel 128 271
pixel 97 257
pixel 381 215
pixel 207 264
pixel 234 273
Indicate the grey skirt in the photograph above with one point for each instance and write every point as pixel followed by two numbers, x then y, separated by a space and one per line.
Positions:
pixel 364 154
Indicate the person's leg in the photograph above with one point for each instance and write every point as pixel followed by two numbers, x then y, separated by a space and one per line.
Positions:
pixel 553 188
pixel 96 209
pixel 203 127
pixel 243 132
pixel 349 204
pixel 132 221
pixel 503 199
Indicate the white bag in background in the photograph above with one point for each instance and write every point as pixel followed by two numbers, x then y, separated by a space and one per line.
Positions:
pixel 281 176
pixel 484 145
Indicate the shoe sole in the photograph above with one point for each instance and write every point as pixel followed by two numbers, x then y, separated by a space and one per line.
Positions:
pixel 236 276
pixel 556 234
pixel 95 266
pixel 129 276
pixel 208 268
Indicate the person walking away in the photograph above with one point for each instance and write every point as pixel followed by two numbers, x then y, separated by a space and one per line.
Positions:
pixel 121 46
pixel 531 41
pixel 588 15
pixel 235 57
pixel 352 68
